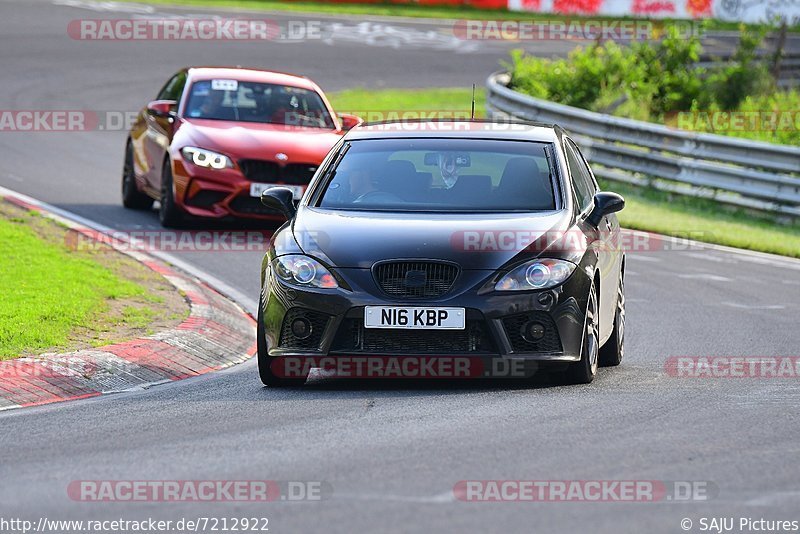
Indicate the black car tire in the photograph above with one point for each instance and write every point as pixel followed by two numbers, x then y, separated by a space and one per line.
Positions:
pixel 265 361
pixel 583 372
pixel 612 352
pixel 132 198
pixel 168 213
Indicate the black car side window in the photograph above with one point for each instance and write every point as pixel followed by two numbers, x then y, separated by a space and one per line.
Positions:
pixel 173 88
pixel 581 177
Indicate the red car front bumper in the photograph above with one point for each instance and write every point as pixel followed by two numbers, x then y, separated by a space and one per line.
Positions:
pixel 213 193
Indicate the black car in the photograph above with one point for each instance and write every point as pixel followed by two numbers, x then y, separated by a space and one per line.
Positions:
pixel 477 240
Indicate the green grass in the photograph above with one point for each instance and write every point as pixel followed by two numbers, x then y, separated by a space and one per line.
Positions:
pixel 48 291
pixel 393 104
pixel 703 220
pixel 388 9
pixel 138 317
pixel 648 210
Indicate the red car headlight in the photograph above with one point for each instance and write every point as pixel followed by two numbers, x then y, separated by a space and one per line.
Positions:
pixel 206 158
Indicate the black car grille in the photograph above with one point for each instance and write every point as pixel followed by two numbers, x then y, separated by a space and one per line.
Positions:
pixel 319 322
pixel 352 336
pixel 257 170
pixel 415 279
pixel 550 342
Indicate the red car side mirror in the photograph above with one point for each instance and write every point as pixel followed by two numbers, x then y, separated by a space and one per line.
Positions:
pixel 162 108
pixel 349 121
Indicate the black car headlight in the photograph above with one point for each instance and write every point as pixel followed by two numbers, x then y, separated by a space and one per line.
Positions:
pixel 536 274
pixel 304 271
pixel 206 158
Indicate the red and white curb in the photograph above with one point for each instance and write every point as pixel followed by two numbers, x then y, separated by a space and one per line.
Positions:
pixel 217 334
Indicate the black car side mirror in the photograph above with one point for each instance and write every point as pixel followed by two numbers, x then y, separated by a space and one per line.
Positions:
pixel 280 199
pixel 605 203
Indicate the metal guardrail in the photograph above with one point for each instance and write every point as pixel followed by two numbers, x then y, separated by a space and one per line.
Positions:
pixel 730 170
pixel 789 72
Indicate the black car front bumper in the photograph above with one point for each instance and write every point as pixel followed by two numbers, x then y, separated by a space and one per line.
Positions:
pixel 495 321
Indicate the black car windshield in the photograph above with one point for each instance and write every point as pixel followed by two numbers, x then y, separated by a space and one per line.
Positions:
pixel 233 100
pixel 450 175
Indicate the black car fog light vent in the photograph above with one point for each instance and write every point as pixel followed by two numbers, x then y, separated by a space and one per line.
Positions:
pixel 303 329
pixel 532 332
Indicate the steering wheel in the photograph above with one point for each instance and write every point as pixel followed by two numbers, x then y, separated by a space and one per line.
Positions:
pixel 379 196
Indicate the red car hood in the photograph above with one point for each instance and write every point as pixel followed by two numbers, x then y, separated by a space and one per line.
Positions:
pixel 258 141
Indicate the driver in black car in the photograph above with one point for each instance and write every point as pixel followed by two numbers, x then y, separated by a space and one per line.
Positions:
pixel 362 182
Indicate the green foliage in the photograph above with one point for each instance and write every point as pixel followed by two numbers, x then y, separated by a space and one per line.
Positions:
pixel 771 116
pixel 742 77
pixel 654 80
pixel 669 68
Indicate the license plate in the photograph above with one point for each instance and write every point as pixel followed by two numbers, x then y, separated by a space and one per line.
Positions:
pixel 257 188
pixel 414 317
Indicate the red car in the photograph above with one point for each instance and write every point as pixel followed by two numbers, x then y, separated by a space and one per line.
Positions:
pixel 215 138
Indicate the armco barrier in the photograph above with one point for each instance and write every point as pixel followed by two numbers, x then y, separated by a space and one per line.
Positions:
pixel 788 74
pixel 734 171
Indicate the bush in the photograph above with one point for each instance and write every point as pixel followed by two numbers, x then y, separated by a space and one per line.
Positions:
pixel 651 81
pixel 742 77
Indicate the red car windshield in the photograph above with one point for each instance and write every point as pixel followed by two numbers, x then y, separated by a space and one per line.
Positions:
pixel 233 100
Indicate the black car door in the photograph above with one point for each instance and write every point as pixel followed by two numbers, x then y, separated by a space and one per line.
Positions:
pixel 608 259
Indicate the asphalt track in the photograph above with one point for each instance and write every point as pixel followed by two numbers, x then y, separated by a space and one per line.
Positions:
pixel 392 452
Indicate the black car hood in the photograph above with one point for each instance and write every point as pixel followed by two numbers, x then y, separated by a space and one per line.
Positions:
pixel 356 239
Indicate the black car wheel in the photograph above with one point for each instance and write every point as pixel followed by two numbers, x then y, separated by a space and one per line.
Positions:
pixel 265 361
pixel 612 352
pixel 132 198
pixel 168 213
pixel 583 372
